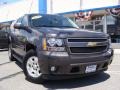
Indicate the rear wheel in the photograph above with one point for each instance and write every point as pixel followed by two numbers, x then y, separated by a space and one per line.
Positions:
pixel 31 68
pixel 10 53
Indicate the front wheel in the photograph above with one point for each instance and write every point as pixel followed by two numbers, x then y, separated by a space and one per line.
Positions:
pixel 31 68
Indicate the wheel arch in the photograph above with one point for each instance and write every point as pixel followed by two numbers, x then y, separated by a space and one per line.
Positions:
pixel 30 47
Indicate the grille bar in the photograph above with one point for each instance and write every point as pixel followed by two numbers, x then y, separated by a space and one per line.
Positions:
pixel 87 49
pixel 82 45
pixel 87 40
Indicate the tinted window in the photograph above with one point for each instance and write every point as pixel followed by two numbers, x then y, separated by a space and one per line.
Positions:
pixel 51 21
pixel 19 20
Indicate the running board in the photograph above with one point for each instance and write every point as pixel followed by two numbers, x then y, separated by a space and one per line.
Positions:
pixel 18 58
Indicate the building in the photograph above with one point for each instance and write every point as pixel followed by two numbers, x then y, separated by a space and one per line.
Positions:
pixel 95 15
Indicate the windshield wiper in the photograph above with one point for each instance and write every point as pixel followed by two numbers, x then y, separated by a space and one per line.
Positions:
pixel 70 27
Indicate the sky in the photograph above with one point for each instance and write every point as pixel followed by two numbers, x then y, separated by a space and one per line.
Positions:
pixel 7 1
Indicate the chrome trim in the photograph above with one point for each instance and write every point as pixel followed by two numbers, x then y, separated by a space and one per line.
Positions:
pixel 86 38
pixel 107 45
pixel 88 42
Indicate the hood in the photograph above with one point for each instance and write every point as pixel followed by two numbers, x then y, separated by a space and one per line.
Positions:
pixel 72 32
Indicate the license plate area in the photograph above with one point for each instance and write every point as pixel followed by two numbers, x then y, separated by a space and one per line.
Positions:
pixel 90 68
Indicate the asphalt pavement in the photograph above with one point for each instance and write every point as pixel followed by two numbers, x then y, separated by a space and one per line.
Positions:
pixel 12 78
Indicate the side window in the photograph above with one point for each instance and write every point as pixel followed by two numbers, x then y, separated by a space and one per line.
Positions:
pixel 18 31
pixel 24 21
pixel 12 30
pixel 20 20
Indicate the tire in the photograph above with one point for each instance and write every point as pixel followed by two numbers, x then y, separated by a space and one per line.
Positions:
pixel 10 53
pixel 31 68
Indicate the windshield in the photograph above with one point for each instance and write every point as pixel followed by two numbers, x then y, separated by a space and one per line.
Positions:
pixel 52 21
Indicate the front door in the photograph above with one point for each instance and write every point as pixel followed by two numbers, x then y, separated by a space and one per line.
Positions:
pixel 19 38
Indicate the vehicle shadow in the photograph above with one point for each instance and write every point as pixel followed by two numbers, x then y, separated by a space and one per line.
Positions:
pixel 75 83
pixel 19 64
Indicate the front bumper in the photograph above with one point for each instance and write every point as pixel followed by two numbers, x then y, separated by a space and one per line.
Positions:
pixel 71 65
pixel 68 76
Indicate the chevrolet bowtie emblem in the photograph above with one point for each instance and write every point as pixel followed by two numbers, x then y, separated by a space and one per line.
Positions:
pixel 92 44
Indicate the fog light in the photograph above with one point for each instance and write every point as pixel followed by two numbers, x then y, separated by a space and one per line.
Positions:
pixel 53 68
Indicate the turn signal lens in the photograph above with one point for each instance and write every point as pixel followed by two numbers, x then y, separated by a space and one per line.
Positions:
pixel 44 44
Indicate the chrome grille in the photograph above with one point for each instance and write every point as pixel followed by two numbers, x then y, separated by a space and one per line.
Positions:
pixel 80 45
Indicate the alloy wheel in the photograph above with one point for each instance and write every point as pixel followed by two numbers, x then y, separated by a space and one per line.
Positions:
pixel 33 67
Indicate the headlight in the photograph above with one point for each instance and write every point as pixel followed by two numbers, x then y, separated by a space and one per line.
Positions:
pixel 59 42
pixel 53 44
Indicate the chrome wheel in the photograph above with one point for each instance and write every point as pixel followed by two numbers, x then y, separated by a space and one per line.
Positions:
pixel 33 67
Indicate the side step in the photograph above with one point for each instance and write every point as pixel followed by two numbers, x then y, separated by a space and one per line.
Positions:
pixel 18 58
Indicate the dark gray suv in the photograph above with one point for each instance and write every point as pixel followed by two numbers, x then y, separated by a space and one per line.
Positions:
pixel 53 47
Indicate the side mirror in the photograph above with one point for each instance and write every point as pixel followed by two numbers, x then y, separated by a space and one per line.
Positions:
pixel 23 27
pixel 19 26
